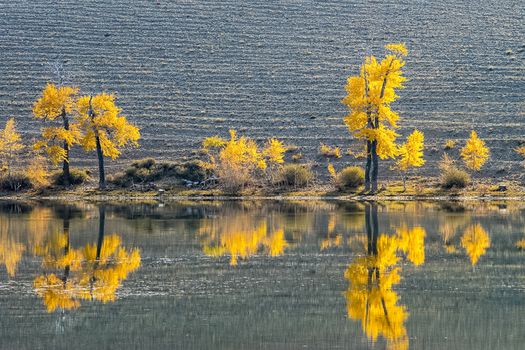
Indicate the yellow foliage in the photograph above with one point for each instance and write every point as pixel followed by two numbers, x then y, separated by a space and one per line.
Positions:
pixel 521 150
pixel 369 96
pixel 37 171
pixel 213 142
pixel 475 153
pixel 398 48
pixel 331 171
pixel 475 241
pixel 449 144
pixel 105 122
pixel 411 152
pixel 274 151
pixel 521 243
pixel 328 151
pixel 55 102
pixel 10 143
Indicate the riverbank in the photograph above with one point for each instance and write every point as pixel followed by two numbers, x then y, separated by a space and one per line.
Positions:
pixel 391 192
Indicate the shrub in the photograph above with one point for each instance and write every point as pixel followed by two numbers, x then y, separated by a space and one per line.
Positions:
pixel 295 175
pixel 146 163
pixel 329 152
pixel 15 182
pixel 449 144
pixel 350 178
pixel 149 170
pixel 454 177
pixel 76 177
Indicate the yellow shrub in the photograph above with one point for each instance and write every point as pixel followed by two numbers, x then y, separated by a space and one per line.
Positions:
pixel 330 152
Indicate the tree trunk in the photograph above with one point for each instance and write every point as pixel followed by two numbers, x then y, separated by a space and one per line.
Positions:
pixel 375 167
pixel 368 165
pixel 65 164
pixel 101 174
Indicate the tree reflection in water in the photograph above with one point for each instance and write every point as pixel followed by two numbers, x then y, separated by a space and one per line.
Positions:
pixel 370 296
pixel 91 272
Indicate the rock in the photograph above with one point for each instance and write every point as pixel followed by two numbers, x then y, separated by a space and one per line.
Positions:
pixel 502 188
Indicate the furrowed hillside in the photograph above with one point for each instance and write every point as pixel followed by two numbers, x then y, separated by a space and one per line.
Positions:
pixel 185 70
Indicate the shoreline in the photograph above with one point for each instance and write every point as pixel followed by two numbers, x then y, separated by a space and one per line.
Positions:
pixel 137 197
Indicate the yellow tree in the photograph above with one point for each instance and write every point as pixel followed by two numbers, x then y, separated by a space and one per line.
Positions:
pixel 104 129
pixel 475 153
pixel 10 144
pixel 411 154
pixel 56 104
pixel 370 118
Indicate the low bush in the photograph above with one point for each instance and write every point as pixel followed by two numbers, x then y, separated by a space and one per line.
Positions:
pixel 350 178
pixel 149 170
pixel 76 177
pixel 449 144
pixel 15 182
pixel 454 177
pixel 330 152
pixel 295 175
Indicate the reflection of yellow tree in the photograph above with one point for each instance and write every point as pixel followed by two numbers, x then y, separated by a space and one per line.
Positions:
pixel 370 296
pixel 241 242
pixel 448 226
pixel 412 243
pixel 475 241
pixel 92 272
pixel 371 299
pixel 10 249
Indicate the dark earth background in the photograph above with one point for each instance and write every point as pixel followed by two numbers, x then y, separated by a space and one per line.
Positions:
pixel 184 70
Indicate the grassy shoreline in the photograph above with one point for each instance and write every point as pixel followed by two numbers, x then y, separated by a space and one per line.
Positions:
pixel 392 193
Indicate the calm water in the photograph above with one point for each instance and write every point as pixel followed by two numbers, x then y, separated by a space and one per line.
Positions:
pixel 262 275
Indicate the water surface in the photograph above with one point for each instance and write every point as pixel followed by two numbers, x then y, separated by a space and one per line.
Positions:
pixel 262 275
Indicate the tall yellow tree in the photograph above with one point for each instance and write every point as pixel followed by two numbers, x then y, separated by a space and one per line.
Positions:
pixel 10 144
pixel 55 105
pixel 104 129
pixel 475 153
pixel 370 118
pixel 411 154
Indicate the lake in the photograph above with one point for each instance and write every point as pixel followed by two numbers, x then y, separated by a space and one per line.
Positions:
pixel 262 275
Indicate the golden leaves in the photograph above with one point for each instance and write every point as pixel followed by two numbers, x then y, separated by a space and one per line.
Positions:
pixel 54 102
pixel 10 143
pixel 98 116
pixel 475 153
pixel 411 152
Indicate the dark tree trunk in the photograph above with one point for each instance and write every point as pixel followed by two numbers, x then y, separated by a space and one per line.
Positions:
pixel 368 165
pixel 101 173
pixel 375 167
pixel 65 164
pixel 100 155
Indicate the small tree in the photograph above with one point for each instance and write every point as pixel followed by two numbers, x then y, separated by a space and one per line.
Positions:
pixel 475 154
pixel 237 162
pixel 104 129
pixel 370 118
pixel 56 104
pixel 411 154
pixel 10 144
